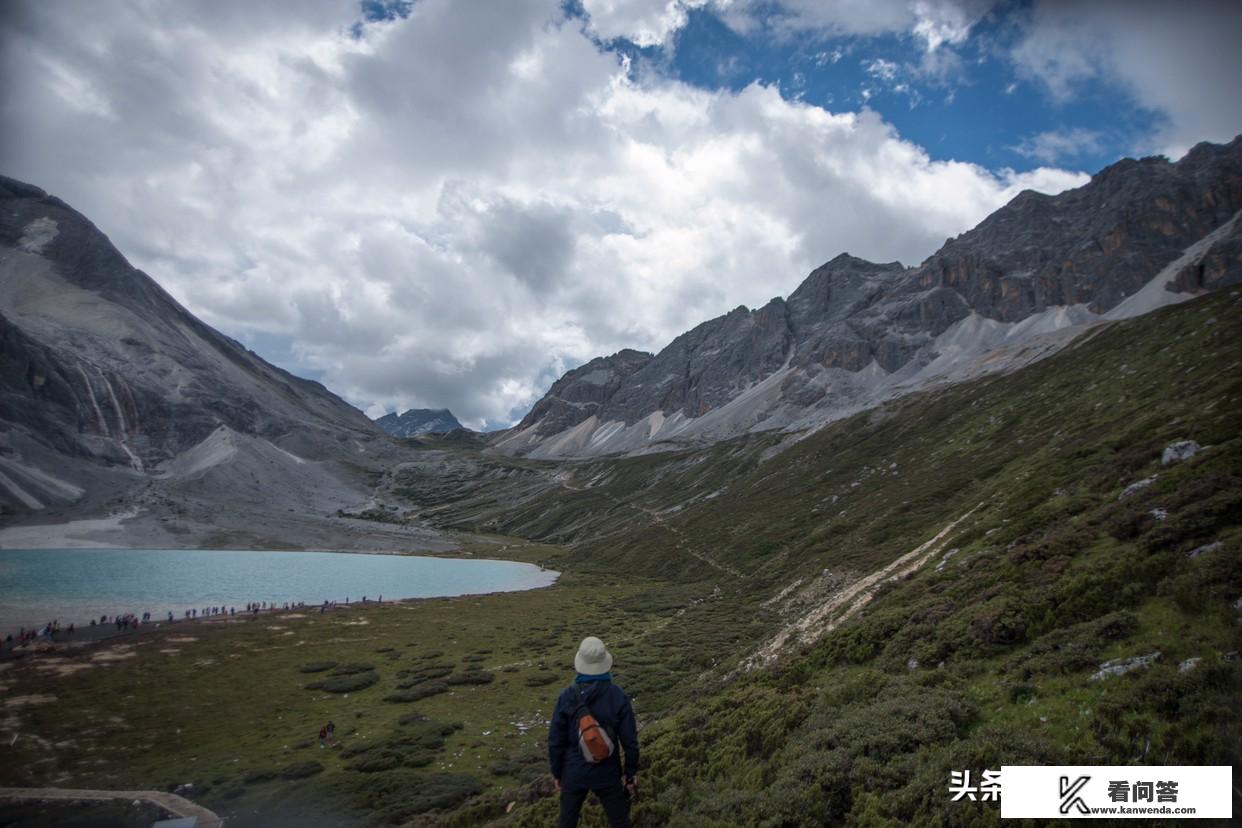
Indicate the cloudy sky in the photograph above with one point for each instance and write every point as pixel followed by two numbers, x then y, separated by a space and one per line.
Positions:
pixel 450 202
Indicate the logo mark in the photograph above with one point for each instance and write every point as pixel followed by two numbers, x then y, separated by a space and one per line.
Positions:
pixel 1069 795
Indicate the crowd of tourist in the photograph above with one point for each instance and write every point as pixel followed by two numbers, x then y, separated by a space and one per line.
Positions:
pixel 53 631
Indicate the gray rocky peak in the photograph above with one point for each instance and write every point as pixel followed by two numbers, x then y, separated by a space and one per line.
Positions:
pixel 416 422
pixel 1076 256
pixel 580 392
pixel 101 369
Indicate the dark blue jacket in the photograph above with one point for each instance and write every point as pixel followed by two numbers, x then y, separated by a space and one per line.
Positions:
pixel 611 708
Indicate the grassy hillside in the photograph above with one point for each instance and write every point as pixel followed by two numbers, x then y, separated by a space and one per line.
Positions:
pixel 816 632
pixel 983 655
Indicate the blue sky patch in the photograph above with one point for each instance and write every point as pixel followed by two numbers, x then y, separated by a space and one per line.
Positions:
pixel 965 102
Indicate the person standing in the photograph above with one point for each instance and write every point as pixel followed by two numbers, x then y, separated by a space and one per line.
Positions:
pixel 592 704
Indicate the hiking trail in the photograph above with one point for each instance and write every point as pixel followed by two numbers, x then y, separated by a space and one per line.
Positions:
pixel 847 601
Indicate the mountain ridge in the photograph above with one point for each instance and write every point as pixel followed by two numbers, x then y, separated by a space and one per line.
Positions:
pixel 106 379
pixel 856 332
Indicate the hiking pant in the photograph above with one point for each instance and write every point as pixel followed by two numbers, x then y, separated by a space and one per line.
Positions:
pixel 614 798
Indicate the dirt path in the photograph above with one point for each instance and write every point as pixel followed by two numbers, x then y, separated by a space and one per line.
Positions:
pixel 847 601
pixel 176 805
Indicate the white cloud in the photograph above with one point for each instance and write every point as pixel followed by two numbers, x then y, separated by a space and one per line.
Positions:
pixel 1180 60
pixel 938 23
pixel 933 22
pixel 881 69
pixel 455 207
pixel 645 22
pixel 1057 146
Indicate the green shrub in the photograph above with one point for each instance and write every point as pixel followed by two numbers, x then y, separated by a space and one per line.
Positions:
pixel 1209 582
pixel 317 666
pixel 301 770
pixel 397 797
pixel 999 623
pixel 256 777
pixel 409 678
pixel 418 691
pixel 345 684
pixel 375 762
pixel 524 766
pixel 472 677
pixel 415 747
pixel 1074 648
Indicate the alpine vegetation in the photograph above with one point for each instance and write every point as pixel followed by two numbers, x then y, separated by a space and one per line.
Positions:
pixel 966 497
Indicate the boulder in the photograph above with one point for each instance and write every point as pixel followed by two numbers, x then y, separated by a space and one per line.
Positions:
pixel 1179 451
pixel 1121 666
pixel 1136 486
pixel 1203 550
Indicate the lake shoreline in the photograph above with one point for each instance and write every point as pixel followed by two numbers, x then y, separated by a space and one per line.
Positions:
pixel 80 585
pixel 84 639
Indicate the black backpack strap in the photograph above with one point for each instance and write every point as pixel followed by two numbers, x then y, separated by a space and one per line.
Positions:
pixel 582 704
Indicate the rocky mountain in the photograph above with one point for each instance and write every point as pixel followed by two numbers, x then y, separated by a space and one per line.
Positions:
pixel 579 394
pixel 418 421
pixel 107 384
pixel 1020 285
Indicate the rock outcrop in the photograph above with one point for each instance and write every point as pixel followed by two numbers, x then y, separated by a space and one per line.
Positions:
pixel 581 392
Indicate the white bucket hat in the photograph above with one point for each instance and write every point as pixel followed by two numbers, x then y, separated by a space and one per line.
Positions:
pixel 592 658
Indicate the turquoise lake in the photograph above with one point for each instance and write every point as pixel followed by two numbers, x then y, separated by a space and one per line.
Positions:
pixel 74 585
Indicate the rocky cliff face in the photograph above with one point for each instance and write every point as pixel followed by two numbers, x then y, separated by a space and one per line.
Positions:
pixel 856 332
pixel 102 372
pixel 580 393
pixel 418 421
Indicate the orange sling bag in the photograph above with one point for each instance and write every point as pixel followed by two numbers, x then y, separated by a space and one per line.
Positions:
pixel 593 739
